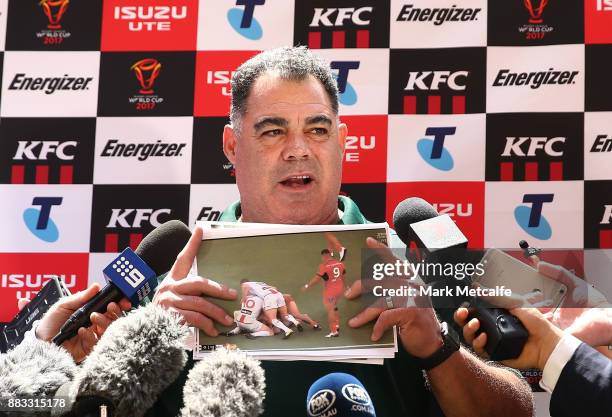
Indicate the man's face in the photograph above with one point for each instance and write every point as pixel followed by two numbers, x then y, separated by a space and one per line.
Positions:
pixel 287 153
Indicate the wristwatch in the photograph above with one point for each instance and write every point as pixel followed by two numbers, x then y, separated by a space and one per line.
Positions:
pixel 450 344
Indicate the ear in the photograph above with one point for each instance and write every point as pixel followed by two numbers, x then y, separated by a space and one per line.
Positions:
pixel 342 133
pixel 229 143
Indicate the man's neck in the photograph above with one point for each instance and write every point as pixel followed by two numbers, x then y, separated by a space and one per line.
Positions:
pixel 333 218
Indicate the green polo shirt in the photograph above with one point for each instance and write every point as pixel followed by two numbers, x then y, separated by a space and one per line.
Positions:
pixel 397 388
pixel 350 212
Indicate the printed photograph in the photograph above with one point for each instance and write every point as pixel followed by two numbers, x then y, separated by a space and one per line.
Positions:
pixel 291 283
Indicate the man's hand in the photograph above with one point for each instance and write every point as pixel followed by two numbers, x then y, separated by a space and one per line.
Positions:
pixel 183 293
pixel 80 345
pixel 419 329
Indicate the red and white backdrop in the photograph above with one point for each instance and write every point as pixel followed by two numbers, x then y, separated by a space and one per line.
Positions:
pixel 111 112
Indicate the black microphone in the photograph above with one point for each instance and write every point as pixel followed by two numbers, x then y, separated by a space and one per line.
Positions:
pixel 157 252
pixel 227 383
pixel 437 236
pixel 339 395
pixel 528 251
pixel 138 357
pixel 442 242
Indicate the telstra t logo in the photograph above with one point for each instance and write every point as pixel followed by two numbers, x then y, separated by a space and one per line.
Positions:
pixel 242 20
pixel 433 151
pixel 39 222
pixel 348 95
pixel 530 218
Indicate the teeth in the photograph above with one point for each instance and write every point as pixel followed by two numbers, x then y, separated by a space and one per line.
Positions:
pixel 300 177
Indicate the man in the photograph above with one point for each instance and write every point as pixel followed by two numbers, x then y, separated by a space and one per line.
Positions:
pixel 332 272
pixel 273 304
pixel 294 310
pixel 334 244
pixel 286 143
pixel 578 376
pixel 247 318
pixel 576 362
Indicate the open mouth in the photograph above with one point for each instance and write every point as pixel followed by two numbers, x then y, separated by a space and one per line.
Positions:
pixel 297 181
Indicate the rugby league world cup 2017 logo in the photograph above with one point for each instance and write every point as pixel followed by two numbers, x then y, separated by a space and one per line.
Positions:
pixel 54 10
pixel 146 71
pixel 536 28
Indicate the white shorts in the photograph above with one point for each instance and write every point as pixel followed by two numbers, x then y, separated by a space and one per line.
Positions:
pixel 273 301
pixel 246 322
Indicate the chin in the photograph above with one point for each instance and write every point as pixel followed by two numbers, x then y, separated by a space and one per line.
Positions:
pixel 298 215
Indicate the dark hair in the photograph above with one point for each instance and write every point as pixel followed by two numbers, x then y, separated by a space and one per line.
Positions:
pixel 243 280
pixel 289 63
pixel 325 252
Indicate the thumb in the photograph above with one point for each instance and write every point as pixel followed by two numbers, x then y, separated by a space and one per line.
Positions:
pixel 22 302
pixel 76 301
pixel 557 273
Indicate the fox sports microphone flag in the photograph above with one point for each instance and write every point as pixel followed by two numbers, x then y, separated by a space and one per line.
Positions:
pixel 339 395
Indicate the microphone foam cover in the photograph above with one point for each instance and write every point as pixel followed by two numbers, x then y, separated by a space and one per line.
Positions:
pixel 227 383
pixel 411 210
pixel 340 395
pixel 138 357
pixel 161 246
pixel 35 368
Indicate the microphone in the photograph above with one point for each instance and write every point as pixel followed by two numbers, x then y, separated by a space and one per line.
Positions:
pixel 35 368
pixel 415 220
pixel 339 395
pixel 411 210
pixel 442 242
pixel 138 357
pixel 227 383
pixel 132 274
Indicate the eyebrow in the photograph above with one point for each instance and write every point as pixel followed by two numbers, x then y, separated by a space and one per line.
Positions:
pixel 320 118
pixel 270 121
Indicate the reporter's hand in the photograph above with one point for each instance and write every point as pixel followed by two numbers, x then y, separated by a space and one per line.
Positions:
pixel 543 337
pixel 580 298
pixel 80 345
pixel 418 326
pixel 594 327
pixel 183 293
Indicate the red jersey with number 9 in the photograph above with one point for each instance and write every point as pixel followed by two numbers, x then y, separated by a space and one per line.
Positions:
pixel 332 271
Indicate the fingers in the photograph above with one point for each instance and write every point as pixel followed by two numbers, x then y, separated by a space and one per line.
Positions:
pixel 205 307
pixel 558 273
pixel 470 329
pixel 125 304
pixel 22 302
pixel 197 320
pixel 184 260
pixel 81 345
pixel 381 250
pixel 461 315
pixel 535 260
pixel 365 316
pixel 76 301
pixel 354 291
pixel 194 285
pixel 527 314
pixel 479 344
pixel 390 318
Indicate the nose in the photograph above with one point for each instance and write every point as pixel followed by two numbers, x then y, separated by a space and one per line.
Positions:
pixel 297 148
